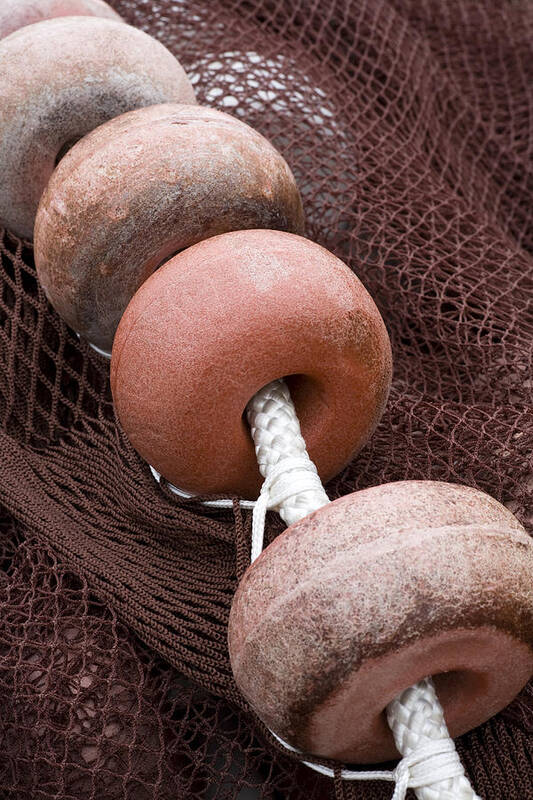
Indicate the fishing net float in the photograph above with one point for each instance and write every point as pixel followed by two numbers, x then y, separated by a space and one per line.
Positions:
pixel 251 305
pixel 324 649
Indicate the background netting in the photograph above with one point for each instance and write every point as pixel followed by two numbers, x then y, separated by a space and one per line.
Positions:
pixel 409 126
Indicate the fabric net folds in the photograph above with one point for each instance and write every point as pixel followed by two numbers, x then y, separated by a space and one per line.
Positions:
pixel 409 127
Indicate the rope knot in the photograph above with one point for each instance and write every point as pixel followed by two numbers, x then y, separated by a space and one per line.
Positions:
pixel 289 478
pixel 436 761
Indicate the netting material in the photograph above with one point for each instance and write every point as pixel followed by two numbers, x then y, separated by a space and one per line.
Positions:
pixel 409 128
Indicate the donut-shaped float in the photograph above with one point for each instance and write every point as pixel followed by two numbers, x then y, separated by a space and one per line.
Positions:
pixel 15 14
pixel 61 78
pixel 372 593
pixel 224 318
pixel 141 188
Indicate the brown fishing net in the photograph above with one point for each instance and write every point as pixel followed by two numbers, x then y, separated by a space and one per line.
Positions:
pixel 409 126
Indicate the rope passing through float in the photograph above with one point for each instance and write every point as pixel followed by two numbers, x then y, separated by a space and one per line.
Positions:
pixel 430 763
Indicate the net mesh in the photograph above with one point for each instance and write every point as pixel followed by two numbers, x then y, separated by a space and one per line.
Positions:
pixel 408 125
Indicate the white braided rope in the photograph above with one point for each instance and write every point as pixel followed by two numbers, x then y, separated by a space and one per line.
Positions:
pixel 430 763
pixel 277 437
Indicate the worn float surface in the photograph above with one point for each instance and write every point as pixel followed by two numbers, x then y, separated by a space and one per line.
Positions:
pixel 409 128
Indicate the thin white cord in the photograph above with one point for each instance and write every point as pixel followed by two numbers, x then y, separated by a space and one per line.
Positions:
pixel 104 353
pixel 412 772
pixel 430 763
pixel 222 503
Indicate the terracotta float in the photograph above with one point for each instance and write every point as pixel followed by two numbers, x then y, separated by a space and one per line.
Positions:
pixel 61 78
pixel 372 593
pixel 142 187
pixel 221 320
pixel 15 14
